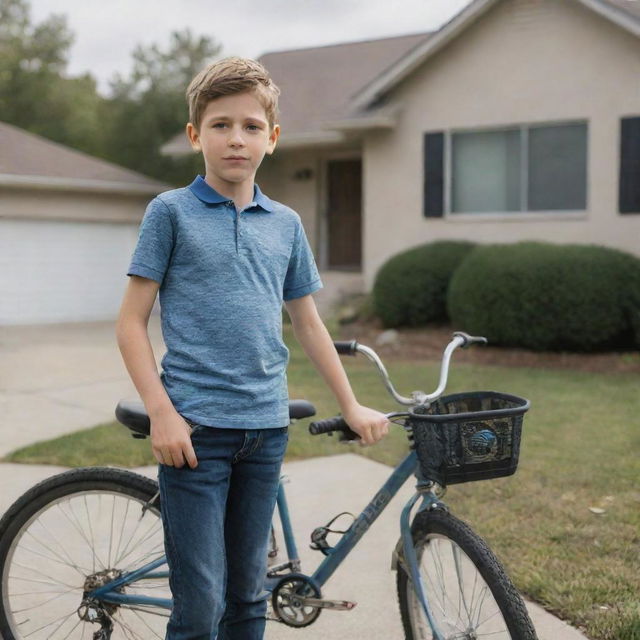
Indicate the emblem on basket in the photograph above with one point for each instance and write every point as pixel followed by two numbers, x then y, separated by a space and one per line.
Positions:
pixel 484 442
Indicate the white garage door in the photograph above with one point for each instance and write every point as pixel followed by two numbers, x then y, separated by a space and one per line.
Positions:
pixel 62 271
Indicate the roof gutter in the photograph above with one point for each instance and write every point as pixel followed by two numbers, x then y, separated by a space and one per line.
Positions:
pixel 48 183
pixel 287 141
pixel 311 138
pixel 386 119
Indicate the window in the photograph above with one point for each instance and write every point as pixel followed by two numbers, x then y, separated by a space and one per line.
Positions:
pixel 510 170
pixel 485 171
pixel 629 185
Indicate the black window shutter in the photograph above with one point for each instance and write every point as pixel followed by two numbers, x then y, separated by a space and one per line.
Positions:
pixel 629 197
pixel 434 175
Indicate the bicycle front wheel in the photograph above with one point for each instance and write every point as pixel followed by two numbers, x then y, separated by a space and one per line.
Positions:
pixel 69 534
pixel 468 591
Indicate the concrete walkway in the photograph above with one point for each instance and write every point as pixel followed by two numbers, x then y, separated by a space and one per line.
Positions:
pixel 61 378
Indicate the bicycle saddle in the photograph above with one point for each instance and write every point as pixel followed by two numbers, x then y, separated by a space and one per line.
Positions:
pixel 133 415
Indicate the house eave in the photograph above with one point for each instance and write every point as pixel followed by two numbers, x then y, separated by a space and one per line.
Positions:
pixel 48 183
pixel 296 140
pixel 616 15
pixel 363 123
pixel 311 138
pixel 176 147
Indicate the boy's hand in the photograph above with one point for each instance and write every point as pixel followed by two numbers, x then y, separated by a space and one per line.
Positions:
pixel 369 424
pixel 171 440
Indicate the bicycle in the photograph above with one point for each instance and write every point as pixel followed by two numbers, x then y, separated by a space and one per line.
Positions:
pixel 450 585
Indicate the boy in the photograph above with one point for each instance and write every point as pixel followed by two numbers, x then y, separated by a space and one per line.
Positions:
pixel 224 257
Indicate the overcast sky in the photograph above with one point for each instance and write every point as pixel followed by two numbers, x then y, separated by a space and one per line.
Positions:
pixel 107 32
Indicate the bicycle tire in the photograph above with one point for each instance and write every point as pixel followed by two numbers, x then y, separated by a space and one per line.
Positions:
pixel 56 534
pixel 467 588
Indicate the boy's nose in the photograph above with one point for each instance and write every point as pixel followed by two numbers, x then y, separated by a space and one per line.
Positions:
pixel 236 139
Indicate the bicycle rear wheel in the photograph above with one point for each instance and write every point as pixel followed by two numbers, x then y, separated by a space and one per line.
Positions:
pixel 75 531
pixel 469 593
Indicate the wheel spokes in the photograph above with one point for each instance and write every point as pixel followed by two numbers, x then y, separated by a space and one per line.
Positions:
pixel 68 541
pixel 460 600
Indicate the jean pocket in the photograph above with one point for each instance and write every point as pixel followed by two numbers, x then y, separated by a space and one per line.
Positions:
pixel 196 428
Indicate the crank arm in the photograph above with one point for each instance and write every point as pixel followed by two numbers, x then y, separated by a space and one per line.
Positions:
pixel 336 605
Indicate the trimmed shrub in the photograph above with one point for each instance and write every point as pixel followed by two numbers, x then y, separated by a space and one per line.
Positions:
pixel 549 297
pixel 410 289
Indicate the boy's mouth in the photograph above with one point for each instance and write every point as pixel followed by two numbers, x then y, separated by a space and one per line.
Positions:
pixel 235 158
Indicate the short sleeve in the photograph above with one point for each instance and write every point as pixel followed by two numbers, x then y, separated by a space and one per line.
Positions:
pixel 302 274
pixel 155 243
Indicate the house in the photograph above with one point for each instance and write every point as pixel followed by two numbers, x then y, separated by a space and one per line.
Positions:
pixel 518 119
pixel 68 226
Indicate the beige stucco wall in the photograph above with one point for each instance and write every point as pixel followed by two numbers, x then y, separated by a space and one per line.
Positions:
pixel 523 62
pixel 277 178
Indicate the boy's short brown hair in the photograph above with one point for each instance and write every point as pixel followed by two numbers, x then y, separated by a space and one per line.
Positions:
pixel 226 77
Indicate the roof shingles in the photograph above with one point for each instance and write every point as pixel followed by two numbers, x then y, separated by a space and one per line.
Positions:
pixel 25 154
pixel 318 83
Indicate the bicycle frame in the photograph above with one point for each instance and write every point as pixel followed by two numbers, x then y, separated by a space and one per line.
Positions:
pixel 359 527
pixel 110 592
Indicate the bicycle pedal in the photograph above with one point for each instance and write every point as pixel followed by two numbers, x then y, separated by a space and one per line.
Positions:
pixel 336 605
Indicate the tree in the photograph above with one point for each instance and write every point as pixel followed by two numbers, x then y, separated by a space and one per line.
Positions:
pixel 148 107
pixel 143 110
pixel 34 92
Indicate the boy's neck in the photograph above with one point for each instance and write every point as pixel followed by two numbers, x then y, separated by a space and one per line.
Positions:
pixel 240 192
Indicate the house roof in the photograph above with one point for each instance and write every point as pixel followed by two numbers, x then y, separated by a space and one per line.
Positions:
pixel 331 88
pixel 318 83
pixel 31 161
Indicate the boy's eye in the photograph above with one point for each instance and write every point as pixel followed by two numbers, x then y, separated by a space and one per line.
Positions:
pixel 253 127
pixel 218 125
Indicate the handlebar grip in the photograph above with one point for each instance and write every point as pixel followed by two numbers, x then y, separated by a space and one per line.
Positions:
pixel 469 340
pixel 346 347
pixel 333 424
pixel 328 425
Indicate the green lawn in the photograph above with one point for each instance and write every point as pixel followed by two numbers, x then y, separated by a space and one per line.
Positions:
pixel 580 450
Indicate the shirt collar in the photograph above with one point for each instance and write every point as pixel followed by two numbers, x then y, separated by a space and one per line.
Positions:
pixel 208 194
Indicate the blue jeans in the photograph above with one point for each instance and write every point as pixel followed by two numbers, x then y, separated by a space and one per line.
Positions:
pixel 216 521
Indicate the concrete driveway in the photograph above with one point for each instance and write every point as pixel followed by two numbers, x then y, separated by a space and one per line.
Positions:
pixel 61 378
pixel 56 379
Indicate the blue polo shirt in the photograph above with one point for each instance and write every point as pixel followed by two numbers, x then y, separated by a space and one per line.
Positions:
pixel 223 276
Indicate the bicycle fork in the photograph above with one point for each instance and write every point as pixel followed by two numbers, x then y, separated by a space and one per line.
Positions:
pixel 429 501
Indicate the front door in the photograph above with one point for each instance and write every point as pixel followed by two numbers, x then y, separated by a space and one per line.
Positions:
pixel 345 214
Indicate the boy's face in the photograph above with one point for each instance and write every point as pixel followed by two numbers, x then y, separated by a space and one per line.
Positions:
pixel 234 137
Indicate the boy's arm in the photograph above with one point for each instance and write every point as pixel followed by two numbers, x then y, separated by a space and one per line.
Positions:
pixel 311 333
pixel 170 434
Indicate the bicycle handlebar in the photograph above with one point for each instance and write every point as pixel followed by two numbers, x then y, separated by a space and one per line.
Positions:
pixel 338 423
pixel 469 340
pixel 328 425
pixel 351 347
pixel 460 339
pixel 346 347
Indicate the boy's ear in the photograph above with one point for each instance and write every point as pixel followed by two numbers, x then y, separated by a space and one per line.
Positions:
pixel 194 137
pixel 273 138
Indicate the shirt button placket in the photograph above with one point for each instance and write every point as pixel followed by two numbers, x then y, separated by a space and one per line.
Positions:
pixel 237 224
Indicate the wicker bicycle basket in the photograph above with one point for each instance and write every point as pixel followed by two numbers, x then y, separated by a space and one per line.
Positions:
pixel 468 436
